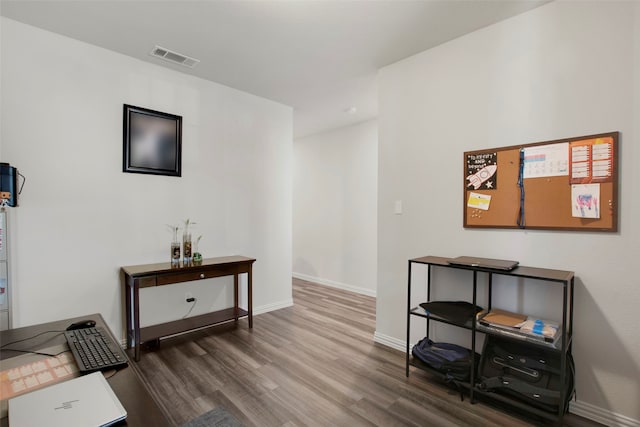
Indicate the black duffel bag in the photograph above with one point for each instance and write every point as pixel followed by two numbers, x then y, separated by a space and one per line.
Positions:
pixel 526 372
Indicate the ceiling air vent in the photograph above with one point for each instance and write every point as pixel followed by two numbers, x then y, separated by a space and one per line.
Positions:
pixel 175 57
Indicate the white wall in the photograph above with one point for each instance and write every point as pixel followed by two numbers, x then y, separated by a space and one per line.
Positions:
pixel 80 218
pixel 335 207
pixel 564 69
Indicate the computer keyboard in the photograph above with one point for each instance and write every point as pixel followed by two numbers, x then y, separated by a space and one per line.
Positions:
pixel 94 350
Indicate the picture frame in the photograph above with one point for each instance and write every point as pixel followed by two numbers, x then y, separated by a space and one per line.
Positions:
pixel 152 142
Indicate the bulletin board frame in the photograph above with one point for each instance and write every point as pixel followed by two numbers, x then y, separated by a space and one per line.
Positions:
pixel 565 184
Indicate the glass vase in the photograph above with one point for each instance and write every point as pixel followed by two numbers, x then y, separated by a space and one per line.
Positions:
pixel 175 249
pixel 186 248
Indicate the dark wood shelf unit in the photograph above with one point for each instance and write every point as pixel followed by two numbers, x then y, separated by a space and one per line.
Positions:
pixel 142 276
pixel 562 347
pixel 520 271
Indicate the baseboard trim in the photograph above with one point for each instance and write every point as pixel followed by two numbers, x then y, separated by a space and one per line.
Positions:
pixel 273 306
pixel 389 341
pixel 334 284
pixel 585 410
pixel 603 416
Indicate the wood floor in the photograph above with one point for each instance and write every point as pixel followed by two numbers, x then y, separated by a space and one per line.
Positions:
pixel 313 364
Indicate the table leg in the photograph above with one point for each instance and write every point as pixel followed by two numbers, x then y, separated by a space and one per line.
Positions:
pixel 235 296
pixel 136 321
pixel 127 291
pixel 249 296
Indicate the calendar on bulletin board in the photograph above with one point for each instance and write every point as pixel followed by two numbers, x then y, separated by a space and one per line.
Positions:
pixel 567 184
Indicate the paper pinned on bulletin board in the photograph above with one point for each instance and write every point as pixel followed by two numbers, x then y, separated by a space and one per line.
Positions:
pixel 546 160
pixel 585 200
pixel 482 171
pixel 592 160
pixel 479 201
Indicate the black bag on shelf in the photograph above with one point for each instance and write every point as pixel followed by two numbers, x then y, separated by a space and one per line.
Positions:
pixel 526 372
pixel 452 360
pixel 458 312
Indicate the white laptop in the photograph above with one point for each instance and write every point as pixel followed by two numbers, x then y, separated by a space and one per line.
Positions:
pixel 84 401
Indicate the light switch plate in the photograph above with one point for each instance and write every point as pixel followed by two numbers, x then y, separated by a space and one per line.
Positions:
pixel 397 208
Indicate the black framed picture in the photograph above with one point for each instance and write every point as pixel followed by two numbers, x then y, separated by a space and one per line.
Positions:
pixel 152 142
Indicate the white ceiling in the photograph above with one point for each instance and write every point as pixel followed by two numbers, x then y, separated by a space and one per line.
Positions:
pixel 319 57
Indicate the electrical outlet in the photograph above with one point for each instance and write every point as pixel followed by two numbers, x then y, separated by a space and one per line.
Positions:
pixel 188 297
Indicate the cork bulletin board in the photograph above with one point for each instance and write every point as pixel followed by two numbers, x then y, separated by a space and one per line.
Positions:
pixel 565 184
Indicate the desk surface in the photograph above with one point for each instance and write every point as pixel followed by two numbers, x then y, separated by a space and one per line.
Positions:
pixel 142 410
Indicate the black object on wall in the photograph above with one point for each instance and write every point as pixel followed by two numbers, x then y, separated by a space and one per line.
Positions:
pixel 152 142
pixel 9 184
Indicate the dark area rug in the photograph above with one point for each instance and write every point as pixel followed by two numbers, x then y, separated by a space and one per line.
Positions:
pixel 218 417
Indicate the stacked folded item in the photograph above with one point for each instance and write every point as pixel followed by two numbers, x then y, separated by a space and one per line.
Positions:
pixel 538 327
pixel 520 326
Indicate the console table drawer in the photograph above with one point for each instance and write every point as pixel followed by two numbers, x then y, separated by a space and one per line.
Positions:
pixel 145 282
pixel 167 279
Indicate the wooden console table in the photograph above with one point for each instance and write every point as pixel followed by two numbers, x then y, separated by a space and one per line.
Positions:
pixel 143 276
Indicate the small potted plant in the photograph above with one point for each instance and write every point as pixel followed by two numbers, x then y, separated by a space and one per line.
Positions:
pixel 197 256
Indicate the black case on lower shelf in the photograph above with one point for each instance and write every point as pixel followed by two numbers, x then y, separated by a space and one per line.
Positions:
pixel 526 372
